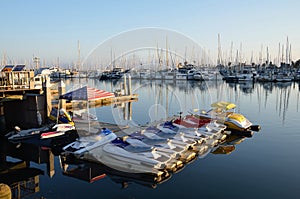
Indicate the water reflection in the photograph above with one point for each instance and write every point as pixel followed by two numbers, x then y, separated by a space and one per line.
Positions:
pixel 161 99
pixel 91 172
pixel 16 160
pixel 17 171
pixel 281 92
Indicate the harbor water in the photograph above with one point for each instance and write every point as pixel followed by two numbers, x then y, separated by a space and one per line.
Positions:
pixel 265 165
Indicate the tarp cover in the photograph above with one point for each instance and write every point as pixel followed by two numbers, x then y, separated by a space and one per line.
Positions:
pixel 87 94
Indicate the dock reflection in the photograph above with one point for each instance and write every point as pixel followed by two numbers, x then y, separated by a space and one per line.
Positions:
pixel 22 178
pixel 91 172
pixel 19 173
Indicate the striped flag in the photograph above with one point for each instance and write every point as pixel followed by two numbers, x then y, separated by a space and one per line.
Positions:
pixel 87 93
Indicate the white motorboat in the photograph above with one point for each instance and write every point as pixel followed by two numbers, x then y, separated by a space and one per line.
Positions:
pixel 44 132
pixel 180 148
pixel 154 140
pixel 115 155
pixel 87 143
pixel 137 143
pixel 210 133
pixel 177 137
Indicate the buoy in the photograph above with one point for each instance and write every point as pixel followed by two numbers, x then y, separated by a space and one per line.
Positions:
pixel 5 192
pixel 255 127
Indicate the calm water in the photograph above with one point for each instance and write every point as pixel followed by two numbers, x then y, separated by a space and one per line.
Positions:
pixel 264 166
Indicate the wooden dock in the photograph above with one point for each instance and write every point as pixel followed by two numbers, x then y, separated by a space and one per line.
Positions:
pixel 97 103
pixel 24 97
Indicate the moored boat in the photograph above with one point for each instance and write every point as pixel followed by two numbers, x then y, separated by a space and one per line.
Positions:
pixel 223 113
pixel 87 143
pixel 44 132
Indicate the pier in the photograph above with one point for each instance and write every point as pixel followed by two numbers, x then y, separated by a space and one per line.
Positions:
pixel 26 100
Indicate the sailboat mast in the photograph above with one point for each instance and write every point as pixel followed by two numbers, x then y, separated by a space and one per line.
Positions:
pixel 219 61
pixel 231 48
pixel 287 50
pixel 278 64
pixel 267 55
pixel 78 54
pixel 282 54
pixel 290 53
pixel 167 56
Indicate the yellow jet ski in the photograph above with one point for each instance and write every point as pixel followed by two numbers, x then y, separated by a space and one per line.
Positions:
pixel 223 113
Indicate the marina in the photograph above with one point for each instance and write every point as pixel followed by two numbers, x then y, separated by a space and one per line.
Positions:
pixel 165 102
pixel 149 99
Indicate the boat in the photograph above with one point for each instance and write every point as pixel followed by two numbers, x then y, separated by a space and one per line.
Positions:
pixel 58 130
pixel 190 122
pixel 18 135
pixel 204 134
pixel 138 143
pixel 133 148
pixel 163 130
pixel 44 132
pixel 206 126
pixel 87 143
pixel 60 116
pixel 151 138
pixel 184 137
pixel 223 112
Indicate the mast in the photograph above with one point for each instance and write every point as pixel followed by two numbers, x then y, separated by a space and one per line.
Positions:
pixel 4 59
pixel 278 64
pixel 57 62
pixel 231 48
pixel 240 57
pixel 282 54
pixel 287 50
pixel 167 56
pixel 267 55
pixel 219 60
pixel 290 53
pixel 260 54
pixel 78 58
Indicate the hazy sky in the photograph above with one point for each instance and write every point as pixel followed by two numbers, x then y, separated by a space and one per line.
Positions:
pixel 51 29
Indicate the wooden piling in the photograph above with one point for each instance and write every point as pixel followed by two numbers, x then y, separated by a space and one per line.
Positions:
pixel 61 90
pixel 48 97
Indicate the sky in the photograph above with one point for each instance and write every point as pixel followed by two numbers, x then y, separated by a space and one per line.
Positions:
pixel 52 29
